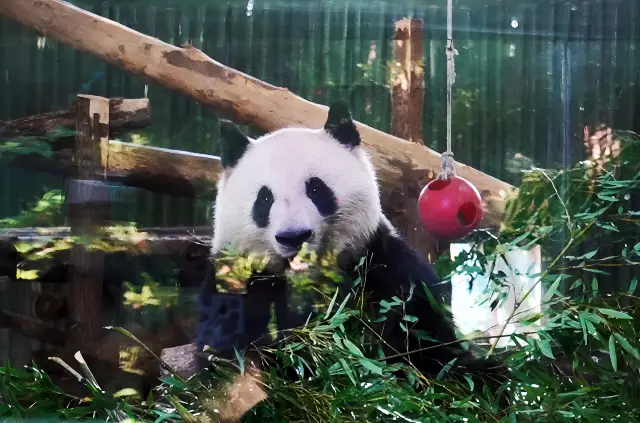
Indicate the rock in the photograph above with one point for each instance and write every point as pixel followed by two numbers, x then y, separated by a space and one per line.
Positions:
pixel 182 359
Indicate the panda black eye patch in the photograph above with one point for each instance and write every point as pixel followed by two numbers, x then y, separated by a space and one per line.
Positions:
pixel 322 196
pixel 262 207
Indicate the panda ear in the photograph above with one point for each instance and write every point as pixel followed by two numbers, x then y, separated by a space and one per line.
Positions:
pixel 233 144
pixel 340 125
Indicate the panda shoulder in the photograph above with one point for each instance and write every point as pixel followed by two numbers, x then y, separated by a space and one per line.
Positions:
pixel 394 263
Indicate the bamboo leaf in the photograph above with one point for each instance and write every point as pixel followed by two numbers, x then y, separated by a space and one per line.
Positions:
pixel 627 346
pixel 371 366
pixel 352 347
pixel 342 306
pixel 445 368
pixel 552 289
pixel 240 360
pixel 588 255
pixel 545 348
pixel 583 325
pixel 615 314
pixel 348 371
pixel 612 353
pixel 330 307
pixel 607 198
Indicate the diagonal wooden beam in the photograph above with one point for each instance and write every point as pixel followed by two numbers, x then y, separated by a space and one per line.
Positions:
pixel 235 94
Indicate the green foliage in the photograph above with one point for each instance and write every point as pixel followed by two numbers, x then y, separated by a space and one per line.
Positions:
pixel 150 294
pixel 46 211
pixel 580 365
pixel 24 145
pixel 40 145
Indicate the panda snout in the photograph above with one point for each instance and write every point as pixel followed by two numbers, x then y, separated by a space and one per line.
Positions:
pixel 294 238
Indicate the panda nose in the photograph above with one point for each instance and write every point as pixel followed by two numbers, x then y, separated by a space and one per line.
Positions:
pixel 294 238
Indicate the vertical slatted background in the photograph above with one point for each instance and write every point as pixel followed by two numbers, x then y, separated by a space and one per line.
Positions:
pixel 510 90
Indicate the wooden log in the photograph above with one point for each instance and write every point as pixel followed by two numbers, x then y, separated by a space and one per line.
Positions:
pixel 162 170
pixel 240 96
pixel 127 114
pixel 85 216
pixel 36 125
pixel 186 174
pixel 159 170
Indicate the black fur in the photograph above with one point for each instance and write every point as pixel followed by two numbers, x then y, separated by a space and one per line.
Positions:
pixel 262 207
pixel 322 196
pixel 393 268
pixel 245 323
pixel 340 125
pixel 233 144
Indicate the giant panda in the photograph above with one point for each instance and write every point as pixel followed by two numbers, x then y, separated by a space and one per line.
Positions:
pixel 317 187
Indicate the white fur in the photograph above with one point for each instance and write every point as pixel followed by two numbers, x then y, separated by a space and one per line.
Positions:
pixel 283 160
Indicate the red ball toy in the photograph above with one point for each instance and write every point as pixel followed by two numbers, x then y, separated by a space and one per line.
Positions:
pixel 450 208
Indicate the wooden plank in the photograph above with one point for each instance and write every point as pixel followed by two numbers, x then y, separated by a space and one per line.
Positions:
pixel 85 217
pixel 159 170
pixel 142 163
pixel 240 96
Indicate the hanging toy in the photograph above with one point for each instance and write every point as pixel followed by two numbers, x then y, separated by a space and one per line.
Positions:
pixel 450 207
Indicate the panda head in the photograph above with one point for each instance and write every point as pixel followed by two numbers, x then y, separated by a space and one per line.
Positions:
pixel 296 186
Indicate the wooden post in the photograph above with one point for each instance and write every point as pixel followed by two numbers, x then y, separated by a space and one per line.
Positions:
pixel 407 103
pixel 407 84
pixel 88 208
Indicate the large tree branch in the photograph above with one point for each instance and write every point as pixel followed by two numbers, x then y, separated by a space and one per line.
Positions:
pixel 240 96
